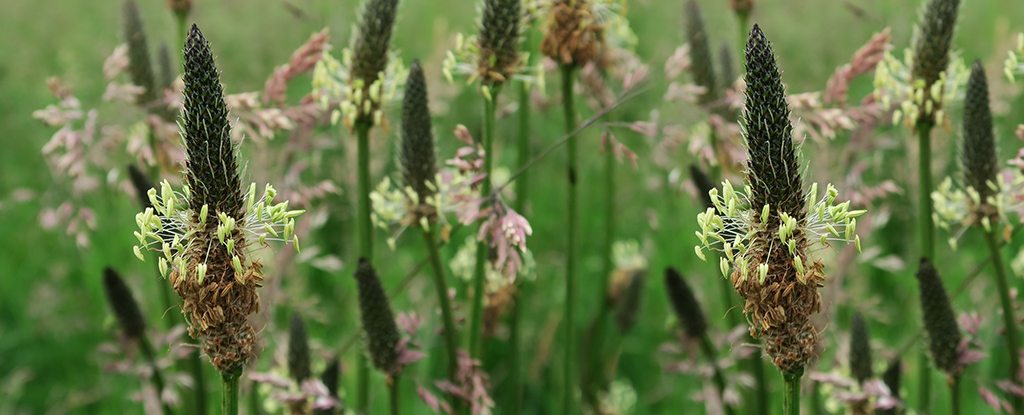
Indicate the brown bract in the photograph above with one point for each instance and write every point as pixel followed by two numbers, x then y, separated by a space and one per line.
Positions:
pixel 779 310
pixel 573 36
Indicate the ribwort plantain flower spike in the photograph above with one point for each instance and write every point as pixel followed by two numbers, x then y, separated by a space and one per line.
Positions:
pixel 129 317
pixel 939 319
pixel 979 145
pixel 768 231
pixel 140 67
pixel 629 302
pixel 860 350
pixel 378 320
pixel 573 34
pixel 934 40
pixel 685 304
pixel 417 147
pixel 330 379
pixel 298 350
pixel 702 68
pixel 208 231
pixel 728 71
pixel 492 56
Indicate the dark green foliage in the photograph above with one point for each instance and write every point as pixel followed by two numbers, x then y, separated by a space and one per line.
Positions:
pixel 370 53
pixel 702 68
pixel 123 303
pixel 891 377
pixel 298 350
pixel 330 379
pixel 728 71
pixel 703 184
pixel 141 184
pixel 627 307
pixel 979 147
pixel 939 319
pixel 931 52
pixel 378 320
pixel 499 36
pixel 860 350
pixel 417 148
pixel 773 165
pixel 212 173
pixel 685 304
pixel 139 66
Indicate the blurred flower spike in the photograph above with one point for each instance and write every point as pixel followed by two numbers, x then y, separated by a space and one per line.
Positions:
pixel 354 97
pixel 1014 64
pixel 896 88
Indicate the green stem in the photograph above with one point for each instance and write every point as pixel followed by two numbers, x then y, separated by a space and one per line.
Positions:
pixel 522 197
pixel 255 405
pixel 395 393
pixel 926 239
pixel 924 379
pixel 791 399
pixel 229 400
pixel 741 22
pixel 954 394
pixel 441 286
pixel 1009 320
pixel 182 20
pixel 712 355
pixel 568 399
pixel 757 370
pixel 157 378
pixel 479 274
pixel 196 365
pixel 365 248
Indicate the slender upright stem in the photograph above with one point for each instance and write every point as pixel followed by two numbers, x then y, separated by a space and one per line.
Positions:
pixel 954 394
pixel 182 21
pixel 757 370
pixel 451 341
pixel 365 249
pixel 791 399
pixel 1009 320
pixel 157 378
pixel 479 274
pixel 395 393
pixel 741 22
pixel 229 400
pixel 522 187
pixel 927 241
pixel 255 404
pixel 568 402
pixel 196 366
pixel 712 355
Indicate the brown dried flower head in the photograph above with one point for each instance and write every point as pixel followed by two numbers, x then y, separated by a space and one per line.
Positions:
pixel 573 35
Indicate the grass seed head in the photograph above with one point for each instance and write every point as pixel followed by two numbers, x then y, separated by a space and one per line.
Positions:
pixel 979 146
pixel 140 67
pixel 939 319
pixel 129 317
pixel 298 350
pixel 378 320
pixel 417 148
pixel 499 40
pixel 685 304
pixel 702 68
pixel 860 350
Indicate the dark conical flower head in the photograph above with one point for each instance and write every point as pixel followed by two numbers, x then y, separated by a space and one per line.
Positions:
pixel 702 68
pixel 891 378
pixel 212 172
pixel 939 319
pixel 378 320
pixel 685 304
pixel 773 165
pixel 141 184
pixel 373 43
pixel 931 49
pixel 167 73
pixel 330 379
pixel 139 66
pixel 979 146
pixel 627 306
pixel 129 317
pixel 728 71
pixel 417 151
pixel 499 40
pixel 703 184
pixel 860 350
pixel 298 350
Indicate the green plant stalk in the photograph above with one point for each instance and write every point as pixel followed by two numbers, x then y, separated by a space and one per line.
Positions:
pixel 255 406
pixel 927 241
pixel 522 187
pixel 756 366
pixel 568 73
pixel 196 366
pixel 742 20
pixel 954 394
pixel 1009 320
pixel 365 248
pixel 182 21
pixel 709 353
pixel 158 378
pixel 395 393
pixel 229 399
pixel 479 273
pixel 451 340
pixel 791 399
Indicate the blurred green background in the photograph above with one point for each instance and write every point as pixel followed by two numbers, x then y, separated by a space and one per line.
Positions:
pixel 53 314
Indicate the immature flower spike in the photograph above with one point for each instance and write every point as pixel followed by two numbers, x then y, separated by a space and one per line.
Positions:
pixel 685 304
pixel 702 68
pixel 704 185
pixel 728 72
pixel 141 184
pixel 330 379
pixel 860 350
pixel 979 146
pixel 931 50
pixel 891 378
pixel 378 320
pixel 139 66
pixel 167 73
pixel 627 306
pixel 939 319
pixel 125 308
pixel 499 40
pixel 773 165
pixel 417 148
pixel 298 350
pixel 370 54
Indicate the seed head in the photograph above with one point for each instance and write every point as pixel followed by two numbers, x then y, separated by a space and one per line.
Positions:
pixel 573 35
pixel 728 72
pixel 702 68
pixel 125 308
pixel 860 350
pixel 773 166
pixel 979 146
pixel 378 320
pixel 939 319
pixel 298 350
pixel 627 306
pixel 139 67
pixel 141 184
pixel 181 8
pixel 417 149
pixel 167 72
pixel 372 45
pixel 743 7
pixel 685 304
pixel 931 49
pixel 499 40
